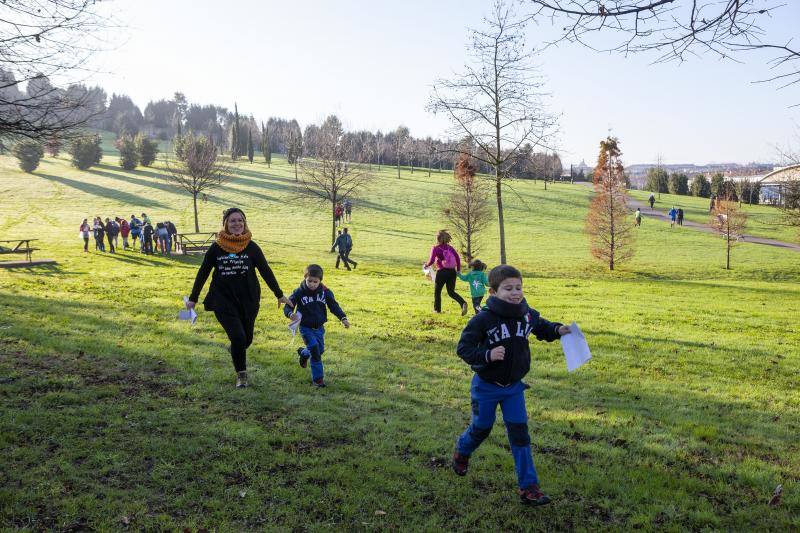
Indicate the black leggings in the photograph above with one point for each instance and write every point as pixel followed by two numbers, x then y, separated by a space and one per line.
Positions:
pixel 86 244
pixel 240 332
pixel 446 276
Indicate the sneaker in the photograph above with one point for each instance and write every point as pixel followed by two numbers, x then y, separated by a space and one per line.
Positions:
pixel 533 496
pixel 241 379
pixel 460 463
pixel 354 265
pixel 319 383
pixel 464 309
pixel 303 360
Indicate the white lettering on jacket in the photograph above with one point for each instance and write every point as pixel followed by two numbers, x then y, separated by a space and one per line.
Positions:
pixel 233 264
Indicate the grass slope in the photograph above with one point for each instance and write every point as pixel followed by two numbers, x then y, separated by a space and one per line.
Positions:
pixel 114 415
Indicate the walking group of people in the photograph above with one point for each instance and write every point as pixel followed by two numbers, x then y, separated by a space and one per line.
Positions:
pixel 675 215
pixel 343 212
pixel 163 237
pixel 494 342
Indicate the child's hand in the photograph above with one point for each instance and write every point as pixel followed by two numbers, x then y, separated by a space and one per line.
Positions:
pixel 284 300
pixel 345 323
pixel 564 330
pixel 293 317
pixel 497 354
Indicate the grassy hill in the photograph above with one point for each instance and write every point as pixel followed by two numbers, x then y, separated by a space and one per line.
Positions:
pixel 114 415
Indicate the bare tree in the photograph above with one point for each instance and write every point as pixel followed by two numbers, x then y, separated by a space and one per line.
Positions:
pixel 468 209
pixel 729 221
pixel 42 40
pixel 608 222
pixel 198 171
pixel 496 101
pixel 401 135
pixel 330 178
pixel 676 30
pixel 294 150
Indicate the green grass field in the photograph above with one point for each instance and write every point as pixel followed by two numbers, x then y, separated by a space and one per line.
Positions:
pixel 116 416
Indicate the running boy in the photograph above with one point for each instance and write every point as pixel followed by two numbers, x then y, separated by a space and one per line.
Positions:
pixel 477 282
pixel 310 300
pixel 495 344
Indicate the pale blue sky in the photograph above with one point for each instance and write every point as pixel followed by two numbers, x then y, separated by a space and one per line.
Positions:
pixel 373 62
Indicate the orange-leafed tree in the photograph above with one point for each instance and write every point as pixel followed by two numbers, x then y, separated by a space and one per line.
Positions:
pixel 468 209
pixel 728 220
pixel 609 222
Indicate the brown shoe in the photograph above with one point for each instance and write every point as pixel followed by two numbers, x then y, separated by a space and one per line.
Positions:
pixel 464 309
pixel 241 379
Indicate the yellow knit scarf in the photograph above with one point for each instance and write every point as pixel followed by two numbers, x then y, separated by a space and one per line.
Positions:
pixel 233 244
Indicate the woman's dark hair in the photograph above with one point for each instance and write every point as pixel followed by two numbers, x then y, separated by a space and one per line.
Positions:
pixel 314 271
pixel 231 210
pixel 477 264
pixel 442 237
pixel 500 273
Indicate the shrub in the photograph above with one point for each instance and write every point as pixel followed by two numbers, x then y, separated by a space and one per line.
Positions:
pixel 128 156
pixel 29 154
pixel 147 149
pixel 86 151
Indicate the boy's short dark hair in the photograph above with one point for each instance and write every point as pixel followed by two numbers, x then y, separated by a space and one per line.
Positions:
pixel 501 273
pixel 477 264
pixel 314 271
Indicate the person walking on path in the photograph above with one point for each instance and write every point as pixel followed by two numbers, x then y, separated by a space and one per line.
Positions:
pixel 680 216
pixel 673 213
pixel 638 216
pixel 448 264
pixel 711 204
pixel 84 231
pixel 110 235
pixel 235 294
pixel 652 200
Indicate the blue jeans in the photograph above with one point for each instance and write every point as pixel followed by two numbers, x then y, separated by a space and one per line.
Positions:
pixel 485 397
pixel 315 347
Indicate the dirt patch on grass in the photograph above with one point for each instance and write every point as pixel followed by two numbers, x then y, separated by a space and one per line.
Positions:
pixel 132 379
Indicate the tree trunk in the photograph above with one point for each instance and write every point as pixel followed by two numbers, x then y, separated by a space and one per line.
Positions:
pixel 295 170
pixel 196 222
pixel 728 259
pixel 499 187
pixel 333 222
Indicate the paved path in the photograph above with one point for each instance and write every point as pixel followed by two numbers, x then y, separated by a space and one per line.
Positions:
pixel 655 213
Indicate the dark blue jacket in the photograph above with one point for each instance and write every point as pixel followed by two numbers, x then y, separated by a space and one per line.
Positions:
pixel 503 324
pixel 312 305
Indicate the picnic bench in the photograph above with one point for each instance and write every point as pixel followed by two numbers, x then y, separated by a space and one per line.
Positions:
pixel 18 246
pixel 196 242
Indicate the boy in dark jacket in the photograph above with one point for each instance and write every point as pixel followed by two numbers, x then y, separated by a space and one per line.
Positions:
pixel 495 344
pixel 310 300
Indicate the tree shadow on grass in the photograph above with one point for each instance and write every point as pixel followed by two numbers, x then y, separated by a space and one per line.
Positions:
pixel 105 192
pixel 159 184
pixel 40 270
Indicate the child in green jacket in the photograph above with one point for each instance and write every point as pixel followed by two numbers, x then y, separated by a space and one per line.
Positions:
pixel 477 282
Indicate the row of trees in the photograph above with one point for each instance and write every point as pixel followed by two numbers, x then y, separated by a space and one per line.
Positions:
pixel 659 181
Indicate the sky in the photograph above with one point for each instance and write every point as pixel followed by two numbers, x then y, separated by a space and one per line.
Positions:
pixel 372 63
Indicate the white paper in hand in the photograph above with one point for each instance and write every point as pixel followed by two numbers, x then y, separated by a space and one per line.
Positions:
pixel 295 324
pixel 428 271
pixel 576 350
pixel 187 314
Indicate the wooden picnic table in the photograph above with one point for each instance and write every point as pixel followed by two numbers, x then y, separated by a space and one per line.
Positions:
pixel 21 246
pixel 196 242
